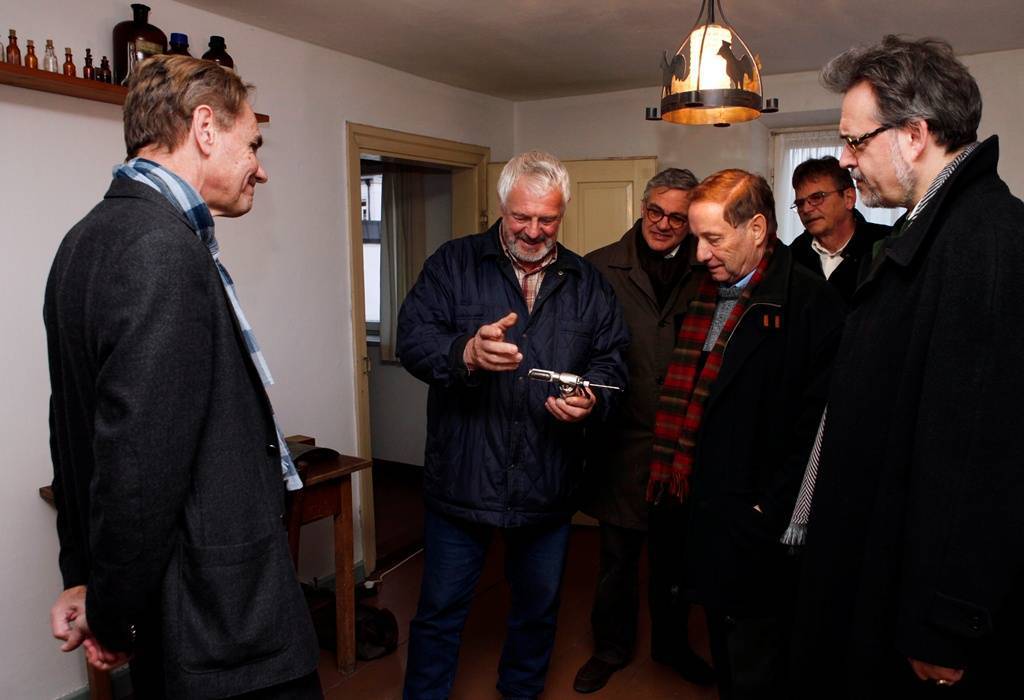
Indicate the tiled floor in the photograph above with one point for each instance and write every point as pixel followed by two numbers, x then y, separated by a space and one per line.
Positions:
pixel 483 636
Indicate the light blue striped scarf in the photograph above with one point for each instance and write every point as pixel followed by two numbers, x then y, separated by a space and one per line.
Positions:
pixel 183 196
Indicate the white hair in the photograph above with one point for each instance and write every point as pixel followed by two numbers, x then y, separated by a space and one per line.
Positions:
pixel 541 173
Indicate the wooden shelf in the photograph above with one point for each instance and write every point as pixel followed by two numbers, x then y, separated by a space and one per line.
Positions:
pixel 33 79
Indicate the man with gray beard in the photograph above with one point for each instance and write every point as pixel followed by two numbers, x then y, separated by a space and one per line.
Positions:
pixel 912 582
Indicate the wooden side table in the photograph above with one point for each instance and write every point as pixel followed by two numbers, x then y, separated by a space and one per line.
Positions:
pixel 327 491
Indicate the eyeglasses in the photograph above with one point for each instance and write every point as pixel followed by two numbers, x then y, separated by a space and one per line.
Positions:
pixel 655 214
pixel 856 142
pixel 814 199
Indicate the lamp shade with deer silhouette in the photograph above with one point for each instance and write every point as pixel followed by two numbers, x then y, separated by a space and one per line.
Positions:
pixel 713 77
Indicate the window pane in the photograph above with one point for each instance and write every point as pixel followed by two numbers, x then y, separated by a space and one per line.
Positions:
pixel 371 281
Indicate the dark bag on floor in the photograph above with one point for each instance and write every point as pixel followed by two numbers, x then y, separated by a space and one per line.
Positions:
pixel 376 632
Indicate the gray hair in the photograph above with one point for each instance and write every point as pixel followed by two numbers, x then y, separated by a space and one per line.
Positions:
pixel 541 173
pixel 913 80
pixel 672 179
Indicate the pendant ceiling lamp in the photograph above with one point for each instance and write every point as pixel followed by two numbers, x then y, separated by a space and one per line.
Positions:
pixel 713 77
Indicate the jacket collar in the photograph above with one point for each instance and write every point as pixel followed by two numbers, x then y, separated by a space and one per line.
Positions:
pixel 774 286
pixel 982 161
pixel 491 248
pixel 125 188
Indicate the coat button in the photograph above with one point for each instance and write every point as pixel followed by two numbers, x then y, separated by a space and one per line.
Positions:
pixel 272 449
pixel 660 379
pixel 662 324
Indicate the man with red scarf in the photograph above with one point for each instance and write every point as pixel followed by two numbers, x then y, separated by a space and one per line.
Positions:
pixel 736 420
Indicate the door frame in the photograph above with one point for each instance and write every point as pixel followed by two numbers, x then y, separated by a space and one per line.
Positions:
pixel 469 214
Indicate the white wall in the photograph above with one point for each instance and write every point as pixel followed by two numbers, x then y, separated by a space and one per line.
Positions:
pixel 289 257
pixel 613 125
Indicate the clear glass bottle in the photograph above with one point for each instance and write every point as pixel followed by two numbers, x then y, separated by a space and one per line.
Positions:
pixel 179 44
pixel 13 52
pixel 50 62
pixel 218 53
pixel 31 60
pixel 134 41
pixel 88 72
pixel 69 65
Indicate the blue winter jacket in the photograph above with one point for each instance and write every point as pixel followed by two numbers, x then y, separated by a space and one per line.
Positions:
pixel 494 454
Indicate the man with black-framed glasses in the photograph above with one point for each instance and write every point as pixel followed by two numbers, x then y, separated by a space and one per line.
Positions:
pixel 836 236
pixel 655 276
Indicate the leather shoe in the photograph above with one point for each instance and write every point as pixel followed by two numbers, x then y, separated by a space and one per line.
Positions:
pixel 690 666
pixel 593 675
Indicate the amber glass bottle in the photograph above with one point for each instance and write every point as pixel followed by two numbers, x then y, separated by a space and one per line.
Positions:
pixel 179 44
pixel 13 52
pixel 135 40
pixel 31 60
pixel 69 65
pixel 88 72
pixel 104 73
pixel 218 53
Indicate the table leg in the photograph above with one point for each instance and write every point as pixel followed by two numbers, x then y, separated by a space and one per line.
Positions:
pixel 344 580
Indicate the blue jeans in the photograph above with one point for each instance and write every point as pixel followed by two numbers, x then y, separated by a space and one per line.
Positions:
pixel 454 552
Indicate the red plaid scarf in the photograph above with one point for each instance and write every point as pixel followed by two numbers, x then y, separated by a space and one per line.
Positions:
pixel 683 394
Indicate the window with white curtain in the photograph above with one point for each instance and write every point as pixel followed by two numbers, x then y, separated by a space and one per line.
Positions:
pixel 790 149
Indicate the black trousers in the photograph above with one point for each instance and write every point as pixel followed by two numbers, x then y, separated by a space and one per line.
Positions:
pixel 617 598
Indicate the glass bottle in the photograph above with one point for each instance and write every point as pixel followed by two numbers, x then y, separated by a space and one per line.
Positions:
pixel 179 44
pixel 13 52
pixel 218 53
pixel 50 58
pixel 135 40
pixel 69 65
pixel 31 61
pixel 88 72
pixel 104 74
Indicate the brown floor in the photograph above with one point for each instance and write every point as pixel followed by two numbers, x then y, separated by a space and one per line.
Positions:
pixel 483 636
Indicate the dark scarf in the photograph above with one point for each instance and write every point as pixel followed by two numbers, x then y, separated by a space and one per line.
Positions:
pixel 688 384
pixel 664 273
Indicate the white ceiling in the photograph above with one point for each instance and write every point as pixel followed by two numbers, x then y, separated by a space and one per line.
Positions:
pixel 533 49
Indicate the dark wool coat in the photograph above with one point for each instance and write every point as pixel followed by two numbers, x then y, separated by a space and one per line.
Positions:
pixel 494 454
pixel 755 437
pixel 619 459
pixel 916 540
pixel 857 251
pixel 167 476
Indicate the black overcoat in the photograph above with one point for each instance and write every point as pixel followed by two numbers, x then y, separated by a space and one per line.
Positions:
pixel 167 475
pixel 916 540
pixel 756 434
pixel 619 454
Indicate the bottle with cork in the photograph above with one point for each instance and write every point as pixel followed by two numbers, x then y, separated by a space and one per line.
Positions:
pixel 218 52
pixel 104 74
pixel 31 60
pixel 50 63
pixel 13 52
pixel 69 65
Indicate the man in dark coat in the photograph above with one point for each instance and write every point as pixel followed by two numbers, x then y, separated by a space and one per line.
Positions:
pixel 655 276
pixel 837 238
pixel 504 453
pixel 169 470
pixel 914 569
pixel 735 423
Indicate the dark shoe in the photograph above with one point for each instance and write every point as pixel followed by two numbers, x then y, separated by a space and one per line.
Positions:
pixel 690 666
pixel 593 675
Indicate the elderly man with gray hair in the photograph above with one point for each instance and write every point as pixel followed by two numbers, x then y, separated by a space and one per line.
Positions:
pixel 914 564
pixel 504 453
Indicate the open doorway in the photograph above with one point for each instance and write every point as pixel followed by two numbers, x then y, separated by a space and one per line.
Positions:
pixel 406 211
pixel 390 404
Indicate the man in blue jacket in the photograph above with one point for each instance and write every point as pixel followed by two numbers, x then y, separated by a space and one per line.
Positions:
pixel 504 452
